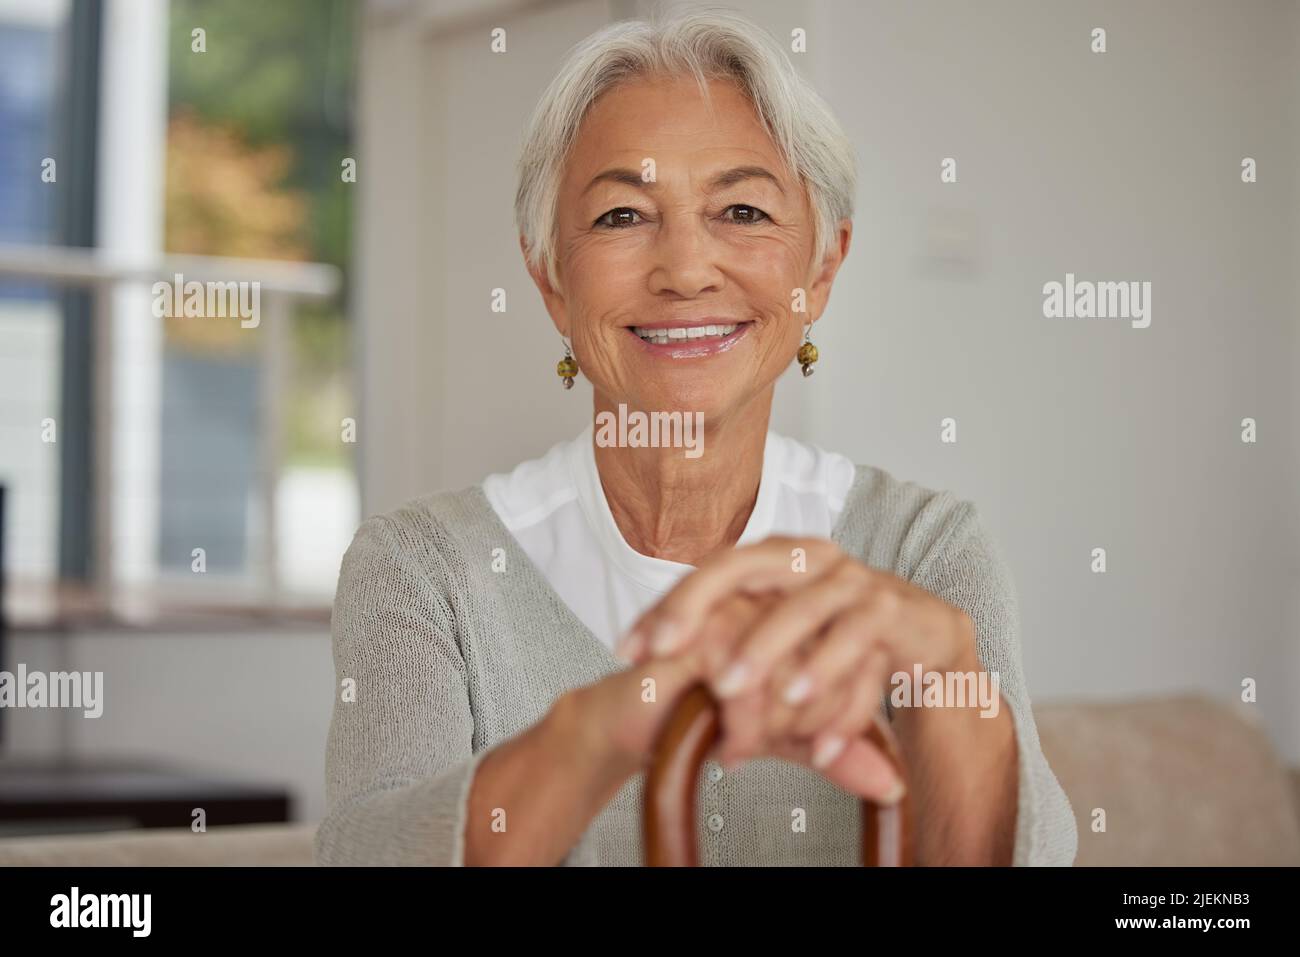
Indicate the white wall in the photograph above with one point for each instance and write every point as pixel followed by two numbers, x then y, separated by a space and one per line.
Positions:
pixel 250 705
pixel 1071 435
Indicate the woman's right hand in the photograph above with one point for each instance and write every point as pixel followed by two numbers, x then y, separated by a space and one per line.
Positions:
pixel 555 778
pixel 619 718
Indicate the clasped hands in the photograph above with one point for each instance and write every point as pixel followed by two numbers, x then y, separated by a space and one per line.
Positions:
pixel 798 641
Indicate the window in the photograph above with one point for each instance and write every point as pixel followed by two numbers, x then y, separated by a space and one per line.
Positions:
pixel 32 40
pixel 198 460
pixel 258 128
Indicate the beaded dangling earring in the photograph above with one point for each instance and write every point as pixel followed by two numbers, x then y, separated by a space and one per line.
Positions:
pixel 807 352
pixel 567 367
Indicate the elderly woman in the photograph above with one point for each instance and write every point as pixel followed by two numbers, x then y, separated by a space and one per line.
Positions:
pixel 507 654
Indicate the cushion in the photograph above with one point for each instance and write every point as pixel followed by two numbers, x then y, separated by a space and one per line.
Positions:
pixel 1183 781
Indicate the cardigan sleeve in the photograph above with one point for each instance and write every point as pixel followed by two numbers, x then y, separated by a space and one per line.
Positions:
pixel 966 569
pixel 399 757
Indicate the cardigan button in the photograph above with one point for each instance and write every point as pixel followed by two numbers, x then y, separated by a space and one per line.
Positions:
pixel 715 823
pixel 715 773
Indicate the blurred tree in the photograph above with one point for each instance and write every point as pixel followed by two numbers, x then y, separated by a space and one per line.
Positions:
pixel 226 198
pixel 278 72
pixel 260 123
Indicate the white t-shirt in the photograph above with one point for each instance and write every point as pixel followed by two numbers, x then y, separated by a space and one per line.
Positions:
pixel 555 507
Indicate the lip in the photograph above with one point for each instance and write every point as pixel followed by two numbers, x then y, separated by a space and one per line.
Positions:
pixel 690 348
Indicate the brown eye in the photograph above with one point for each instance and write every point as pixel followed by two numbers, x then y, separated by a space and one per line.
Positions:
pixel 619 218
pixel 741 213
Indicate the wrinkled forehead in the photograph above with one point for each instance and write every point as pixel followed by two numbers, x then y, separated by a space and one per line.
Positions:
pixel 671 127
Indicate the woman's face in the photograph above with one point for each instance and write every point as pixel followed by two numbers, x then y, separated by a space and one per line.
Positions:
pixel 674 216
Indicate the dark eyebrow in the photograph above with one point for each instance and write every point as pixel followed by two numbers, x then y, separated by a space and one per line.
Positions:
pixel 627 177
pixel 741 173
pixel 731 177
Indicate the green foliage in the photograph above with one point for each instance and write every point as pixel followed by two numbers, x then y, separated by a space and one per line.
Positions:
pixel 260 123
pixel 278 73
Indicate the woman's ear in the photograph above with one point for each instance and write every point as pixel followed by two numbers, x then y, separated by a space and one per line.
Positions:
pixel 831 260
pixel 553 299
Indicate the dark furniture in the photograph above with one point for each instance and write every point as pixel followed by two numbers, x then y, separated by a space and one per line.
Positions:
pixel 43 797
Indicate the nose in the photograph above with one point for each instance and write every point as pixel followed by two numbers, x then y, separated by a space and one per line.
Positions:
pixel 685 258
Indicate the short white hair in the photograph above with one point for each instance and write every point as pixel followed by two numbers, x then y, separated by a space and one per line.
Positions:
pixel 700 44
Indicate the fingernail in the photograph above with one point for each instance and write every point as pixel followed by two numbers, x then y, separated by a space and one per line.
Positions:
pixel 828 751
pixel 798 689
pixel 732 680
pixel 895 793
pixel 665 638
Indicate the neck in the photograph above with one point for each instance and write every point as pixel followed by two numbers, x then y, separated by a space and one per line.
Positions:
pixel 683 509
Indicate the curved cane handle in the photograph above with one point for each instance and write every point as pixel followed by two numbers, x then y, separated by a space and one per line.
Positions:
pixel 669 813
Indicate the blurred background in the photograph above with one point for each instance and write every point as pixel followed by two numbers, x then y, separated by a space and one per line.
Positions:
pixel 144 138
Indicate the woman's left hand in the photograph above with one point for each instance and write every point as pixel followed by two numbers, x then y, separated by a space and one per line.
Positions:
pixel 823 648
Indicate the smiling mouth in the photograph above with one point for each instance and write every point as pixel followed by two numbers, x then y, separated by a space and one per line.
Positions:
pixel 682 335
pixel 690 341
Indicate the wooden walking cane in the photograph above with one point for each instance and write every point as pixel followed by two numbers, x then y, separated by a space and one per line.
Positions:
pixel 669 813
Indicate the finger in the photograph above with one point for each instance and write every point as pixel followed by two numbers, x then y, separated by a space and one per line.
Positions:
pixel 818 715
pixel 742 735
pixel 862 769
pixel 847 640
pixel 853 709
pixel 781 714
pixel 644 696
pixel 726 626
pixel 726 622
pixel 673 674
pixel 630 649
pixel 793 750
pixel 798 617
pixel 768 565
pixel 719 632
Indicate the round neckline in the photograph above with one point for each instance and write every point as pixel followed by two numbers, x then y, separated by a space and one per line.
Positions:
pixel 657 574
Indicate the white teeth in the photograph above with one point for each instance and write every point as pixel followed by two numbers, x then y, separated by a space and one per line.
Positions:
pixel 662 336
